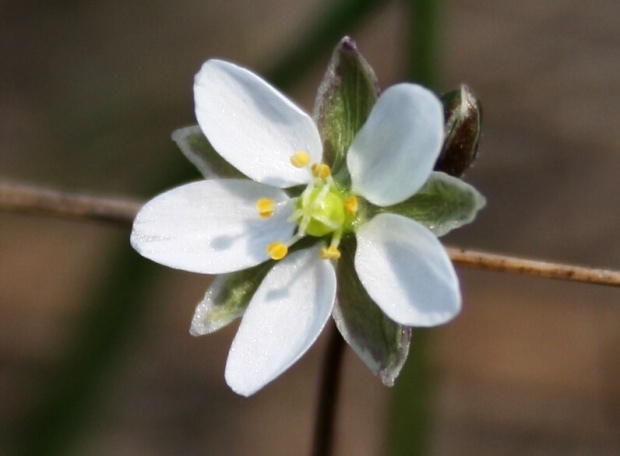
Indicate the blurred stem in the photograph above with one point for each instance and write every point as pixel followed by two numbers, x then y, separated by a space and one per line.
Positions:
pixel 336 21
pixel 328 395
pixel 410 422
pixel 425 40
pixel 106 325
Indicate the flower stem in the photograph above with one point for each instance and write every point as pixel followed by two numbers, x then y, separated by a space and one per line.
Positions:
pixel 328 395
pixel 29 199
pixel 15 197
pixel 502 263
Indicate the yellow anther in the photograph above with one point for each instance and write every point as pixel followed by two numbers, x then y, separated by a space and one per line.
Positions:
pixel 265 207
pixel 321 171
pixel 277 250
pixel 300 159
pixel 350 205
pixel 330 253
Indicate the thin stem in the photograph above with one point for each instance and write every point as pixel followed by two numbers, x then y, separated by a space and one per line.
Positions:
pixel 328 396
pixel 34 200
pixel 502 263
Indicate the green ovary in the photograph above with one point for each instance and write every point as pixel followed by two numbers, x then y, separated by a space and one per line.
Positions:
pixel 324 213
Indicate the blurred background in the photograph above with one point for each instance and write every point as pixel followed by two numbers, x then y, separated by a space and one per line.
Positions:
pixel 95 354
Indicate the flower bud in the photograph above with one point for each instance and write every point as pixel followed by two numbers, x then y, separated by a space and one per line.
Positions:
pixel 463 117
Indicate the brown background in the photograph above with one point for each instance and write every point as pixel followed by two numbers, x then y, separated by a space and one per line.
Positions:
pixel 89 93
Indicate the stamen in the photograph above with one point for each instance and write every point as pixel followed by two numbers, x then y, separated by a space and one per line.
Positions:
pixel 300 159
pixel 350 205
pixel 321 171
pixel 295 216
pixel 336 239
pixel 303 225
pixel 265 207
pixel 330 253
pixel 318 199
pixel 277 250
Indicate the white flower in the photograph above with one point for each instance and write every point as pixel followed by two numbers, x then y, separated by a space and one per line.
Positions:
pixel 218 226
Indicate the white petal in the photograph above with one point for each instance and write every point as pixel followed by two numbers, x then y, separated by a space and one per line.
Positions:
pixel 406 271
pixel 284 318
pixel 252 125
pixel 210 226
pixel 395 151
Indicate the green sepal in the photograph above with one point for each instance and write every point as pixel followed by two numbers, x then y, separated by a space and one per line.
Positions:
pixel 202 155
pixel 381 343
pixel 227 298
pixel 345 97
pixel 442 204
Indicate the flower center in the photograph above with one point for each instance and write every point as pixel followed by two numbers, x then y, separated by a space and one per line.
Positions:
pixel 320 210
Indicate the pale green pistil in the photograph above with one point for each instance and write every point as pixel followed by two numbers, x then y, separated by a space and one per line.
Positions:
pixel 320 210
